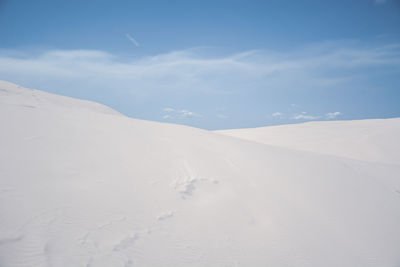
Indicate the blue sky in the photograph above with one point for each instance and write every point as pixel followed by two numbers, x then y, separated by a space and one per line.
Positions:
pixel 210 64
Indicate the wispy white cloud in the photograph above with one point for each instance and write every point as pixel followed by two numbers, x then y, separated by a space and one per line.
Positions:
pixel 277 114
pixel 304 116
pixel 169 110
pixel 194 75
pixel 167 116
pixel 188 114
pixel 179 114
pixel 332 115
pixel 130 38
pixel 327 67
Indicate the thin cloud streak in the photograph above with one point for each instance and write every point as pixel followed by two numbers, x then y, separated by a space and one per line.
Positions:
pixel 130 38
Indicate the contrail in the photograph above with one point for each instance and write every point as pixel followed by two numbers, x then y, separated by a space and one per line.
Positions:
pixel 130 38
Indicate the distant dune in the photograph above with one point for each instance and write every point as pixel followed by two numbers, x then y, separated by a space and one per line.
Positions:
pixel 367 140
pixel 82 185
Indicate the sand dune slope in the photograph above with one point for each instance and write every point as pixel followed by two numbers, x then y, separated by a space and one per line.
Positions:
pixel 369 140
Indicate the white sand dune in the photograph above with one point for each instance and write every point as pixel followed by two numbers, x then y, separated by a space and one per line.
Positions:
pixel 82 185
pixel 368 140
